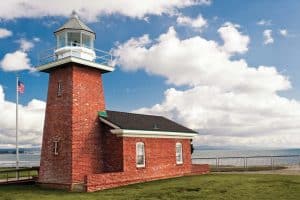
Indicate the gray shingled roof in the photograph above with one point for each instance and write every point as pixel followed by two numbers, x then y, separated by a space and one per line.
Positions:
pixel 132 121
pixel 76 24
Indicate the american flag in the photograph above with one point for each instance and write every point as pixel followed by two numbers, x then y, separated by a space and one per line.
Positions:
pixel 21 87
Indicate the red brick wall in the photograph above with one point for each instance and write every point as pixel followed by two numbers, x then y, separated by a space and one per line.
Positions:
pixel 72 119
pixel 57 126
pixel 112 151
pixel 200 168
pixel 160 156
pixel 88 99
pixel 160 163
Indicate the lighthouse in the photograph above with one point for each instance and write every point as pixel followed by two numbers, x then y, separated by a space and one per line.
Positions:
pixel 86 147
pixel 71 145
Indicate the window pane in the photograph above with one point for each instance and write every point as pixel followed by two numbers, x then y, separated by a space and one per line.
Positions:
pixel 140 154
pixel 73 39
pixel 179 153
pixel 140 160
pixel 61 40
pixel 86 41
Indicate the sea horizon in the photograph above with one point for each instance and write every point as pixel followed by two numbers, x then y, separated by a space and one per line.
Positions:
pixel 31 156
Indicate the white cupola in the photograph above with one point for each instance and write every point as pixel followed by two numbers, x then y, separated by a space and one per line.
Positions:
pixel 75 39
pixel 75 44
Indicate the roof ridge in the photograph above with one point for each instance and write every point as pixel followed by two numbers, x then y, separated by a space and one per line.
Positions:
pixel 177 123
pixel 138 113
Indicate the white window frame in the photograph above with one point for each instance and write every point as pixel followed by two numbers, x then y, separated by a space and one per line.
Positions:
pixel 55 148
pixel 179 154
pixel 137 146
pixel 59 88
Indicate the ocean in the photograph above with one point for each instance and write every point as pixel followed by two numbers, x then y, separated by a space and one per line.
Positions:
pixel 29 159
pixel 32 158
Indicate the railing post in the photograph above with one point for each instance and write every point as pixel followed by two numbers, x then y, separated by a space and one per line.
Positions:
pixel 245 162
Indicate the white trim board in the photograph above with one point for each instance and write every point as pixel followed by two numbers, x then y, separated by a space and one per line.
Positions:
pixel 109 123
pixel 152 134
pixel 75 60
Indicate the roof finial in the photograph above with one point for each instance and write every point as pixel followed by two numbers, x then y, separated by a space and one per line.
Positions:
pixel 74 14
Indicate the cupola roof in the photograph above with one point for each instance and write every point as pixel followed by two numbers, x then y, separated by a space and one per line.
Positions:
pixel 75 23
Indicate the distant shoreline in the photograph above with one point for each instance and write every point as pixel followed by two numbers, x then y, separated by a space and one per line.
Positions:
pixel 11 152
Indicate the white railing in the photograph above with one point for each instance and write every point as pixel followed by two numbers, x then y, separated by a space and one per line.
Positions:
pixel 101 57
pixel 9 164
pixel 249 161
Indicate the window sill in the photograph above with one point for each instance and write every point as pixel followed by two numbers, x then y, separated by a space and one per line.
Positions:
pixel 141 167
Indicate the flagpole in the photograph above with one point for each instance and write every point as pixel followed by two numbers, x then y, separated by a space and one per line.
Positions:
pixel 17 127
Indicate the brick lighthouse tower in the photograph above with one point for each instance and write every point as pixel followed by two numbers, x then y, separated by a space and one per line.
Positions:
pixel 71 146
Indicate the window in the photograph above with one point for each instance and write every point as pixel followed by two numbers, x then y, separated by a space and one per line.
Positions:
pixel 86 41
pixel 61 40
pixel 73 39
pixel 55 149
pixel 140 154
pixel 179 159
pixel 59 88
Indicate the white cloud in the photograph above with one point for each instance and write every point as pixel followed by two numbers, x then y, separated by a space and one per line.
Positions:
pixel 204 61
pixel 264 22
pixel 91 9
pixel 15 61
pixel 25 45
pixel 234 40
pixel 198 23
pixel 31 119
pixel 228 101
pixel 268 39
pixel 36 39
pixel 19 59
pixel 283 32
pixel 5 33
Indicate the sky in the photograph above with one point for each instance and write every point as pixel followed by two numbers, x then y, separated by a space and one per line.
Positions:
pixel 227 69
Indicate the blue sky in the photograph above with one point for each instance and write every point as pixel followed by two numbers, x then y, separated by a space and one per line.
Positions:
pixel 135 86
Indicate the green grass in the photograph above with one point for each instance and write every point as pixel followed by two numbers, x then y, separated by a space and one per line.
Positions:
pixel 213 186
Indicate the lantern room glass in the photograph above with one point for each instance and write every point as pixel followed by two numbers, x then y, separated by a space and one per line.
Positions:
pixel 61 40
pixel 71 38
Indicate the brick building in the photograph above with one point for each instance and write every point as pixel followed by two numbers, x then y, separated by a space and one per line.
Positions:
pixel 86 147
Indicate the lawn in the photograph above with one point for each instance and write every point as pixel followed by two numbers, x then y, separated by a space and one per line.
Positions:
pixel 212 186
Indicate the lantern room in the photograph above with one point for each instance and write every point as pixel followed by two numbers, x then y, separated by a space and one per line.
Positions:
pixel 75 38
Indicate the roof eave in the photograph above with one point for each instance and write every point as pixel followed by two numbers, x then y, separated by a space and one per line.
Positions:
pixel 62 29
pixel 147 133
pixel 152 134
